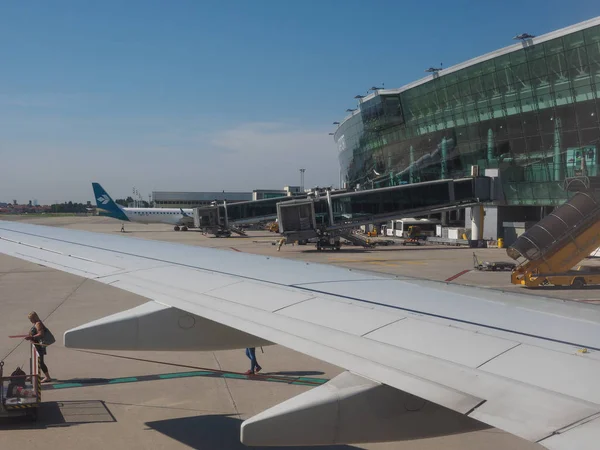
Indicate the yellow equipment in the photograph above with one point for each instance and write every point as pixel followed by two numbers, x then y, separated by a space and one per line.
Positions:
pixel 578 278
pixel 273 227
pixel 413 235
pixel 557 243
pixel 414 231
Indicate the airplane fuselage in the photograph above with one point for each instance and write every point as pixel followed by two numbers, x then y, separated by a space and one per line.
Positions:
pixel 171 216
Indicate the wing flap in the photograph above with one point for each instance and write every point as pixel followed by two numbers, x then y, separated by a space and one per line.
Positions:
pixel 341 316
pixel 442 341
pixel 580 436
pixel 555 371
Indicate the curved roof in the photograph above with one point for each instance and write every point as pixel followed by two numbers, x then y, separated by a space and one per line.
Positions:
pixel 491 55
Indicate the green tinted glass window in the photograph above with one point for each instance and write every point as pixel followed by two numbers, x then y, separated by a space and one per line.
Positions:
pixel 557 66
pixel 487 66
pixel 517 57
pixel 553 47
pixel 521 75
pixel 576 58
pixel 450 78
pixel 592 34
pixel 534 52
pixel 489 81
pixel 502 61
pixel 573 40
pixel 538 68
pixel 593 57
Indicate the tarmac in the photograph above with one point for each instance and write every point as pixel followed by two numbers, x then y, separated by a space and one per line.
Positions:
pixel 177 400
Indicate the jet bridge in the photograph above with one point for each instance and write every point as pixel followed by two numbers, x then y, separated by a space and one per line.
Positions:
pixel 225 218
pixel 330 216
pixel 558 242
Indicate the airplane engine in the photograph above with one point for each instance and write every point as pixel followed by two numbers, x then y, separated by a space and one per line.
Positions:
pixel 350 409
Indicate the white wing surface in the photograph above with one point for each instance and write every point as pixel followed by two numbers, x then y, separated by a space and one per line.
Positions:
pixel 526 365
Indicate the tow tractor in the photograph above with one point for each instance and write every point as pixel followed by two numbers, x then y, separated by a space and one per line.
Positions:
pixel 492 265
pixel 21 392
pixel 414 236
pixel 332 243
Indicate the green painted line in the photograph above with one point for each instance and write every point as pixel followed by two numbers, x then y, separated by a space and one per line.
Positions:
pixel 313 380
pixel 235 375
pixel 298 381
pixel 275 380
pixel 65 385
pixel 122 380
pixel 167 376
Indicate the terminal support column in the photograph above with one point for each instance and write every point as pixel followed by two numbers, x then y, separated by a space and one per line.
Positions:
pixel 411 168
pixel 557 157
pixel 490 146
pixel 477 222
pixel 444 167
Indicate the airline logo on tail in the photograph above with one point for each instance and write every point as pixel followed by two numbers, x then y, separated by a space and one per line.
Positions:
pixel 106 206
pixel 104 199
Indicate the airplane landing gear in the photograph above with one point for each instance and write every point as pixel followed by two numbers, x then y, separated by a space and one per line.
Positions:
pixel 184 228
pixel 176 228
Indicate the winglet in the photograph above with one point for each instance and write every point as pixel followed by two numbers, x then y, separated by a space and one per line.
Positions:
pixel 105 204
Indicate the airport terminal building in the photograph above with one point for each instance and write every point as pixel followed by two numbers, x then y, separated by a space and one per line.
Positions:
pixel 170 199
pixel 528 113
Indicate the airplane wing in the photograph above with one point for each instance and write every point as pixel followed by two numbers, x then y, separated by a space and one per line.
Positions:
pixel 423 358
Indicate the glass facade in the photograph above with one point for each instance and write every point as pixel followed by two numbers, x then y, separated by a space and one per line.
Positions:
pixel 533 113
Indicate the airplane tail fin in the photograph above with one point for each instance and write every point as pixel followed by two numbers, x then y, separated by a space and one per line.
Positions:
pixel 105 204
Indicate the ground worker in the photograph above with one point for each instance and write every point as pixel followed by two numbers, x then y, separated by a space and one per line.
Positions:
pixel 254 367
pixel 280 243
pixel 36 335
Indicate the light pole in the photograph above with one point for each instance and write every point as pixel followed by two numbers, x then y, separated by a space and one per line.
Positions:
pixel 302 179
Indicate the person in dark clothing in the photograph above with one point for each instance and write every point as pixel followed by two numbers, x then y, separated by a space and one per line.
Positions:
pixel 254 367
pixel 36 334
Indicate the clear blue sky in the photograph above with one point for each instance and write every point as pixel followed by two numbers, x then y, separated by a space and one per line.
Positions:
pixel 222 95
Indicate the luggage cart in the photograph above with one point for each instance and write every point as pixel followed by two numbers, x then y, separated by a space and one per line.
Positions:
pixel 21 395
pixel 492 265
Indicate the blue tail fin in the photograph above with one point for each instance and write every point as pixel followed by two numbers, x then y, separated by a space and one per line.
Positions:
pixel 105 205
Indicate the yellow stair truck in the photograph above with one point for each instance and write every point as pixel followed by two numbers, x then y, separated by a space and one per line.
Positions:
pixel 548 251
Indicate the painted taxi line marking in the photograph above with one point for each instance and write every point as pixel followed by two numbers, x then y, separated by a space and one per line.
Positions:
pixel 297 381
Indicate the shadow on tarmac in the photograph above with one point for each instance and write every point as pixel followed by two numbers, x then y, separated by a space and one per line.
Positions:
pixel 299 373
pixel 383 249
pixel 215 431
pixel 295 378
pixel 564 288
pixel 61 414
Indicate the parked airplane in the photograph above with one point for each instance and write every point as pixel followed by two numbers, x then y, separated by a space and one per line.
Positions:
pixel 423 358
pixel 180 218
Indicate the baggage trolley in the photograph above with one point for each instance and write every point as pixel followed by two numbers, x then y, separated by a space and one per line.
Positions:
pixel 21 395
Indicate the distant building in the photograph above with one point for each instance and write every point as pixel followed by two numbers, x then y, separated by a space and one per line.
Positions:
pixel 287 191
pixel 164 199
